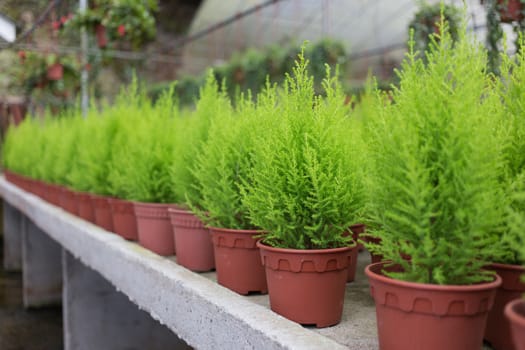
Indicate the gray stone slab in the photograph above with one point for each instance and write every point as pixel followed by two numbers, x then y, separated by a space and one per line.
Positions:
pixel 13 225
pixel 41 268
pixel 201 312
pixel 97 316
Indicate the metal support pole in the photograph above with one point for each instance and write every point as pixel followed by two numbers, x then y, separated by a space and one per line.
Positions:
pixel 84 102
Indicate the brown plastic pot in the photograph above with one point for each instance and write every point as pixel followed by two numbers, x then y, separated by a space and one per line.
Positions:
pixel 85 206
pixel 414 316
pixel 307 286
pixel 497 332
pixel 154 228
pixel 102 211
pixel 238 260
pixel 357 230
pixel 124 220
pixel 38 188
pixel 374 258
pixel 55 71
pixel 53 194
pixel 515 312
pixel 193 245
pixel 67 200
pixel 10 176
pixel 100 33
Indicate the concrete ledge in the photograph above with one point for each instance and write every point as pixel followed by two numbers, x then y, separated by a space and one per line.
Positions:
pixel 199 311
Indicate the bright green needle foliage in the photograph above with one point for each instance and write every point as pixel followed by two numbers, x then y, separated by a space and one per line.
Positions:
pixel 143 147
pixel 304 189
pixel 226 159
pixel 189 138
pixel 435 193
pixel 515 239
pixel 23 148
pixel 511 89
pixel 91 162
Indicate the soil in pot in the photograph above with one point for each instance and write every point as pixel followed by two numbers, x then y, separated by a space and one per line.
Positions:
pixel 515 312
pixel 193 245
pixel 124 220
pixel 415 316
pixel 154 228
pixel 85 206
pixel 238 260
pixel 307 286
pixel 497 332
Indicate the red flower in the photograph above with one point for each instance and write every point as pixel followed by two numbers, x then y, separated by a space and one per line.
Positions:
pixel 22 55
pixel 121 30
pixel 56 25
pixel 63 19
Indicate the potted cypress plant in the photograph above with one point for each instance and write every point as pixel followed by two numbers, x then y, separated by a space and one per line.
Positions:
pixel 220 168
pixel 194 249
pixel 435 198
pixel 144 167
pixel 304 192
pixel 128 109
pixel 80 179
pixel 515 310
pixel 508 263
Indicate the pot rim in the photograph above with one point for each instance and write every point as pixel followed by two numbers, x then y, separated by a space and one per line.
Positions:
pixel 512 314
pixel 517 268
pixel 234 230
pixel 369 271
pixel 266 247
pixel 152 205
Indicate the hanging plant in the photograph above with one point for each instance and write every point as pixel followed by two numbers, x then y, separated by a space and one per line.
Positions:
pixel 426 23
pixel 118 20
pixel 502 11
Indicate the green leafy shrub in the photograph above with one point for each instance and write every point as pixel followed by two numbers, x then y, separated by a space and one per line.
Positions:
pixel 304 189
pixel 23 147
pixel 511 89
pixel 189 138
pixel 66 148
pixel 248 71
pixel 435 194
pixel 143 147
pixel 225 160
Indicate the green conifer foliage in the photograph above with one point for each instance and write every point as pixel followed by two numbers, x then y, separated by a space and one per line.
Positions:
pixel 435 195
pixel 304 189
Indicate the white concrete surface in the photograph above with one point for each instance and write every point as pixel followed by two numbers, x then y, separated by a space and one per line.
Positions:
pixel 201 312
pixel 13 226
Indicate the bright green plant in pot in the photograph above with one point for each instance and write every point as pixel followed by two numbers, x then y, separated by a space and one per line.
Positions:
pixel 434 192
pixel 143 148
pixel 189 137
pixel 511 90
pixel 226 159
pixel 23 147
pixel 305 189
